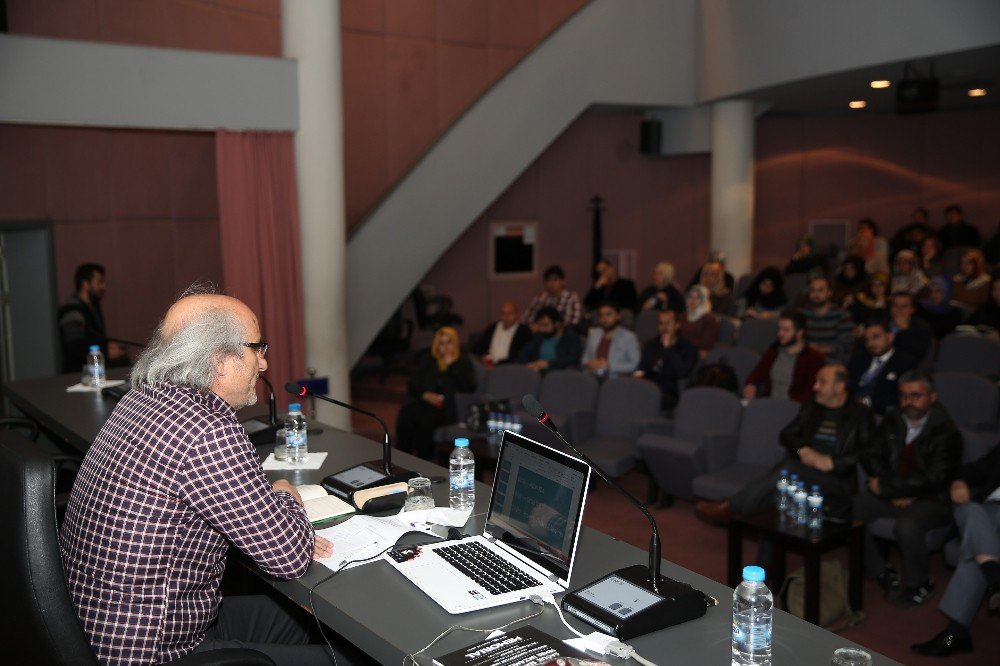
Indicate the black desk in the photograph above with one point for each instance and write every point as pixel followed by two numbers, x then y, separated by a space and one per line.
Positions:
pixel 382 613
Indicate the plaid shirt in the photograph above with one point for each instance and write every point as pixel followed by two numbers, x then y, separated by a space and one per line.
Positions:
pixel 567 303
pixel 169 482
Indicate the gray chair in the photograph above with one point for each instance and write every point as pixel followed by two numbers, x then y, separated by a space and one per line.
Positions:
pixel 963 352
pixel 646 325
pixel 742 284
pixel 972 400
pixel 608 434
pixel 796 285
pixel 741 360
pixel 564 392
pixel 757 334
pixel 703 439
pixel 757 450
pixel 728 328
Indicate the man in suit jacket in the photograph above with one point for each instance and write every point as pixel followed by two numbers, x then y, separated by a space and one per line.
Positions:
pixel 502 340
pixel 611 350
pixel 876 369
pixel 976 497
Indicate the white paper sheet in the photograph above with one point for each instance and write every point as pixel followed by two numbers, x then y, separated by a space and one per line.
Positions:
pixel 80 387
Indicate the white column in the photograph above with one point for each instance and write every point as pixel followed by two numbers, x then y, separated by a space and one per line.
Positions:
pixel 732 183
pixel 310 34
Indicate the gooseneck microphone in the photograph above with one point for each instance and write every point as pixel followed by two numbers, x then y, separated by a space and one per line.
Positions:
pixel 535 409
pixel 272 408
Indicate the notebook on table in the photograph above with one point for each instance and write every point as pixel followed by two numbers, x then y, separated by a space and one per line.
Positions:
pixel 529 543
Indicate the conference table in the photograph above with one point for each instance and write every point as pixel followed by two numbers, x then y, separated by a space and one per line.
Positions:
pixel 383 614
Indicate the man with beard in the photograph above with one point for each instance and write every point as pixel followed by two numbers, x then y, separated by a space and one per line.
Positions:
pixel 667 358
pixel 553 347
pixel 876 369
pixel 169 483
pixel 829 329
pixel 81 321
pixel 611 351
pixel 788 368
pixel 913 458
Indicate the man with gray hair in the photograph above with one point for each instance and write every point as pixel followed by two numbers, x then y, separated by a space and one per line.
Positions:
pixel 170 482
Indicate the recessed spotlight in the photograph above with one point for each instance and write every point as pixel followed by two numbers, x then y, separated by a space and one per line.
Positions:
pixel 977 92
pixel 881 83
pixel 858 104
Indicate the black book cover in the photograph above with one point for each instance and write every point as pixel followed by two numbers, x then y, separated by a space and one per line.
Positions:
pixel 520 647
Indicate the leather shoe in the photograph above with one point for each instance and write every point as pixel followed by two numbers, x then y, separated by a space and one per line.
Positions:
pixel 944 644
pixel 713 513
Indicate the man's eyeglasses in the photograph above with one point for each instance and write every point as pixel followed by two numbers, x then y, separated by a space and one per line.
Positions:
pixel 259 347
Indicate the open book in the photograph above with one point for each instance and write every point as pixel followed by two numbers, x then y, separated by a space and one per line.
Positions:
pixel 322 506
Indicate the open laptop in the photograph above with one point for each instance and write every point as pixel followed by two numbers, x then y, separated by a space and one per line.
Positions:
pixel 530 540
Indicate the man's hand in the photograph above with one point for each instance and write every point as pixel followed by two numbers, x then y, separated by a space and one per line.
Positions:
pixel 639 374
pixel 322 548
pixel 597 364
pixel 538 366
pixel 959 491
pixel 434 399
pixel 813 458
pixel 903 502
pixel 749 392
pixel 873 486
pixel 284 485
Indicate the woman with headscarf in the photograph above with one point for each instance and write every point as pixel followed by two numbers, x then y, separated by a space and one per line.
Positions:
pixel 851 279
pixel 972 283
pixel 907 276
pixel 440 374
pixel 698 325
pixel 765 297
pixel 873 300
pixel 937 309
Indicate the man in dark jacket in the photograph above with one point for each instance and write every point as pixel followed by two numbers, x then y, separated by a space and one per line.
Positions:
pixel 912 460
pixel 667 358
pixel 788 368
pixel 823 443
pixel 876 369
pixel 552 347
pixel 502 340
pixel 976 496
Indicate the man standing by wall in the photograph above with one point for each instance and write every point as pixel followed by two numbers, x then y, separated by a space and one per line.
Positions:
pixel 81 320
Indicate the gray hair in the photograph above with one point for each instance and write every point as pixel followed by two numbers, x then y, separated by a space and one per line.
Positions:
pixel 186 357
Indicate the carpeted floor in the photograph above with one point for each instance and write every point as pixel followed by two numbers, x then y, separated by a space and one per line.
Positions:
pixel 701 548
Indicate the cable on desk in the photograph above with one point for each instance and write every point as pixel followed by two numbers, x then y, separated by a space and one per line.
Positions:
pixel 412 657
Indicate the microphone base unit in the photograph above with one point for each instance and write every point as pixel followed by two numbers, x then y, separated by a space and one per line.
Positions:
pixel 366 475
pixel 624 604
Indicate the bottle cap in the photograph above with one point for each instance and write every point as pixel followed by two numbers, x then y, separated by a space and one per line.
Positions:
pixel 815 489
pixel 753 574
pixel 784 472
pixel 95 348
pixel 294 407
pixel 461 441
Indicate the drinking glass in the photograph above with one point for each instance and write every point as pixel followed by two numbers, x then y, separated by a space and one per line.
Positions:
pixel 280 447
pixel 418 494
pixel 848 656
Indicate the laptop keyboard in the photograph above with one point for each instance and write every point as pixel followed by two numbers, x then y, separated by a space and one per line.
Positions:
pixel 486 567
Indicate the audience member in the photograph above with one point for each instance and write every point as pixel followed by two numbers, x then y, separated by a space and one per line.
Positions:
pixel 987 316
pixel 971 286
pixel 440 374
pixel 850 280
pixel 662 294
pixel 906 274
pixel 956 232
pixel 667 358
pixel 553 346
pixel 610 287
pixel 555 295
pixel 81 321
pixel 611 350
pixel 976 496
pixel 874 300
pixel 911 335
pixel 930 257
pixel 871 247
pixel 828 328
pixel 804 259
pixel 876 368
pixel 788 368
pixel 168 484
pixel 936 309
pixel 912 236
pixel 720 294
pixel 765 297
pixel 717 256
pixel 698 325
pixel 503 339
pixel 822 445
pixel 914 456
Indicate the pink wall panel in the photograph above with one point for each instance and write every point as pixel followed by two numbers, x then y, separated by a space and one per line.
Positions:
pixel 245 32
pixel 365 122
pixel 197 252
pixel 76 162
pixel 69 19
pixel 194 25
pixel 193 192
pixel 553 12
pixel 463 75
pixel 366 15
pixel 76 243
pixel 411 18
pixel 514 22
pixel 412 101
pixel 269 7
pixel 145 278
pixel 464 21
pixel 503 58
pixel 22 173
pixel 140 174
pixel 132 22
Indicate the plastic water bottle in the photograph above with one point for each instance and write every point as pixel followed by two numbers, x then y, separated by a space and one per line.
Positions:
pixel 95 369
pixel 815 506
pixel 753 612
pixel 793 486
pixel 461 476
pixel 518 426
pixel 800 505
pixel 296 434
pixel 491 429
pixel 781 492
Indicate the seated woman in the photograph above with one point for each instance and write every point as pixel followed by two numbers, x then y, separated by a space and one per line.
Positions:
pixel 440 374
pixel 698 325
pixel 765 297
pixel 906 274
pixel 872 301
pixel 850 280
pixel 937 309
pixel 930 257
pixel 972 283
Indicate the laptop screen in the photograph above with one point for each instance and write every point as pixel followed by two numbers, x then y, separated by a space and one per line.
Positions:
pixel 537 502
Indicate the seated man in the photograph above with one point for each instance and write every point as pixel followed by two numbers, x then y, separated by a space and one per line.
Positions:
pixel 823 444
pixel 876 369
pixel 610 287
pixel 611 350
pixel 555 295
pixel 552 347
pixel 169 483
pixel 828 328
pixel 788 368
pixel 976 496
pixel 502 340
pixel 915 454
pixel 667 358
pixel 911 335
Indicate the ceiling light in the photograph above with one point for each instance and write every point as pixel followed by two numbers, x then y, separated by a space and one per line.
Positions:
pixel 977 92
pixel 858 104
pixel 881 83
